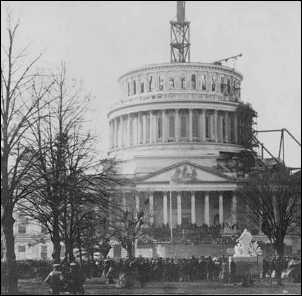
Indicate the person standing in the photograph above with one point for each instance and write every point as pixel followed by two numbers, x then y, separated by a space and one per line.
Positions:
pixel 55 280
pixel 75 279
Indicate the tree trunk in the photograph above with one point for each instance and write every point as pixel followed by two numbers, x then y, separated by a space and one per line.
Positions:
pixel 70 251
pixel 11 278
pixel 130 250
pixel 279 247
pixel 56 255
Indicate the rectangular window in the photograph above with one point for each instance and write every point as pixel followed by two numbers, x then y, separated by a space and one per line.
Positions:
pixel 161 83
pixel 171 83
pixel 213 84
pixel 22 228
pixel 134 87
pixel 44 252
pixel 203 82
pixel 171 122
pixel 159 127
pixel 193 81
pixel 44 229
pixel 195 126
pixel 142 87
pixel 21 249
pixel 150 83
pixel 183 83
pixel 184 125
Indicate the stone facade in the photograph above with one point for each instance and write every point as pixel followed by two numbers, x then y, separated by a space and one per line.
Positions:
pixel 168 131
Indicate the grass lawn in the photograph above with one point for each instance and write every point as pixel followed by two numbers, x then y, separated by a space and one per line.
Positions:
pixel 95 287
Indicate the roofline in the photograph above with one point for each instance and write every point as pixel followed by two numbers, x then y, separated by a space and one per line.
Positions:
pixel 206 169
pixel 196 64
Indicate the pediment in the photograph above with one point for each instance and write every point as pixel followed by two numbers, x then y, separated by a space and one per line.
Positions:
pixel 185 173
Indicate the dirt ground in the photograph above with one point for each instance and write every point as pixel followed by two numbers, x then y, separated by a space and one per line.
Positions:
pixel 95 287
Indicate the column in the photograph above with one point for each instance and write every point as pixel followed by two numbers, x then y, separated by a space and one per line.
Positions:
pixel 220 208
pixel 227 127
pixel 193 209
pixel 151 208
pixel 144 128
pixel 122 132
pixel 137 205
pixel 190 125
pixel 234 209
pixel 203 125
pixel 220 127
pixel 236 128
pixel 139 128
pixel 215 127
pixel 178 209
pixel 128 130
pixel 113 133
pixel 207 209
pixel 165 208
pixel 151 127
pixel 164 129
pixel 177 125
pixel 116 132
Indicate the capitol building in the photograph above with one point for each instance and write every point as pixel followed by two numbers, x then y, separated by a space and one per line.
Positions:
pixel 170 130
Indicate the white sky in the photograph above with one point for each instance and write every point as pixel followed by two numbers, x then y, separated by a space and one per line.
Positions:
pixel 102 40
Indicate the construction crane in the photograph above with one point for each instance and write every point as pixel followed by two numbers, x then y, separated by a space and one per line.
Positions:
pixel 235 57
pixel 180 36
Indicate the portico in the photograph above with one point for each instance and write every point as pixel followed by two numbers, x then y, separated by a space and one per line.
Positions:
pixel 186 193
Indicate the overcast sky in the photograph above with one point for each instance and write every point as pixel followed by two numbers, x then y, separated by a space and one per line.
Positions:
pixel 100 41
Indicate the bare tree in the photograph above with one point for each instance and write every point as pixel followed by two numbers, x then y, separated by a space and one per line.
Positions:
pixel 272 198
pixel 67 175
pixel 127 224
pixel 18 113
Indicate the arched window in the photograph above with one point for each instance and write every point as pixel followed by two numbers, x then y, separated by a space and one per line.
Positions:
pixel 150 83
pixel 195 126
pixel 171 83
pixel 183 82
pixel 193 81
pixel 171 129
pixel 128 89
pixel 159 127
pixel 184 124
pixel 203 82
pixel 134 87
pixel 161 83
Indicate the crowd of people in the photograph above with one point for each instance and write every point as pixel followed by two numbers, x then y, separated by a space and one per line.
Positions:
pixel 125 271
pixel 165 269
